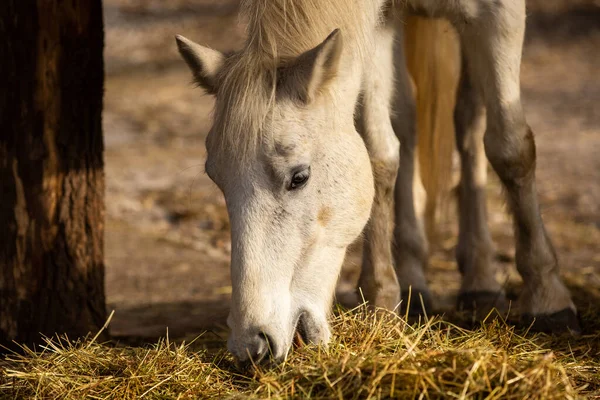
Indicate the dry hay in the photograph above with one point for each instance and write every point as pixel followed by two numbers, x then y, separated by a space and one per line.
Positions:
pixel 371 356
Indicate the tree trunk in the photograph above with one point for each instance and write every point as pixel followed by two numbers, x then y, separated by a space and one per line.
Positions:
pixel 51 169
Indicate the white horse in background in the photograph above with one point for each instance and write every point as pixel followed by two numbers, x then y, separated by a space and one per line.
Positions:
pixel 301 183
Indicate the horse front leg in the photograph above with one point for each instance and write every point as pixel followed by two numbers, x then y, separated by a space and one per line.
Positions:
pixel 378 282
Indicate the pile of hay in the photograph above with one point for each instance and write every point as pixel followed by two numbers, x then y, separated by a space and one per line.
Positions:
pixel 371 356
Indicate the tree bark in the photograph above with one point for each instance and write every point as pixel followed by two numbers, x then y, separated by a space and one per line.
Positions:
pixel 51 169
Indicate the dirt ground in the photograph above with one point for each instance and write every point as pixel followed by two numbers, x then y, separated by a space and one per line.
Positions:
pixel 167 239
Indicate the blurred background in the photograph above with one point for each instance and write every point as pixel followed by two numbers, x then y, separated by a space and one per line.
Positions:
pixel 167 233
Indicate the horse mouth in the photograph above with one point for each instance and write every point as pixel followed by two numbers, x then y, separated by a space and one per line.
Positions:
pixel 301 334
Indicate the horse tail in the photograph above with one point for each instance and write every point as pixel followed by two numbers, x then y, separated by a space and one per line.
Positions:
pixel 433 60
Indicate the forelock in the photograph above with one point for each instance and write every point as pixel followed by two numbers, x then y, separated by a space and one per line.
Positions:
pixel 245 98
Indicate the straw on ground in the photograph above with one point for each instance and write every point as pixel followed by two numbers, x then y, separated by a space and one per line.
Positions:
pixel 371 356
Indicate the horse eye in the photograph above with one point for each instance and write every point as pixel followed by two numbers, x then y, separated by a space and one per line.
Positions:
pixel 299 179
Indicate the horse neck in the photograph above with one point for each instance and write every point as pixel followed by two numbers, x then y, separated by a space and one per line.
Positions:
pixel 287 28
pixel 277 32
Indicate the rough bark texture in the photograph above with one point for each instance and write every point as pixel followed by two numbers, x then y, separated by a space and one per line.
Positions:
pixel 51 169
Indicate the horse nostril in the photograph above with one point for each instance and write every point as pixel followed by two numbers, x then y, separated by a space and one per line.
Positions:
pixel 255 349
pixel 270 344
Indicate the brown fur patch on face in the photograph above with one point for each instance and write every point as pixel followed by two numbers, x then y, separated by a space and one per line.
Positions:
pixel 324 216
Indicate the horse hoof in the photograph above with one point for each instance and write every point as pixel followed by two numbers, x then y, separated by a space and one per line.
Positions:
pixel 564 321
pixel 481 303
pixel 417 307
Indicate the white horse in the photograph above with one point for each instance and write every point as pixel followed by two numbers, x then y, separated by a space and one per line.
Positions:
pixel 301 183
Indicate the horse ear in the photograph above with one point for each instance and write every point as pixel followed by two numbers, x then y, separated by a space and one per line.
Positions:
pixel 205 63
pixel 309 73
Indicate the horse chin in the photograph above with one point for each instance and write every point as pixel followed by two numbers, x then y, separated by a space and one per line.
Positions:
pixel 300 335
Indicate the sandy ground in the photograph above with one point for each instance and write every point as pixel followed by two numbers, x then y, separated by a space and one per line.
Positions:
pixel 167 239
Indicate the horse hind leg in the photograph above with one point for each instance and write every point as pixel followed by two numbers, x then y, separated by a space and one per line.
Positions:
pixel 378 281
pixel 492 37
pixel 480 292
pixel 410 243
